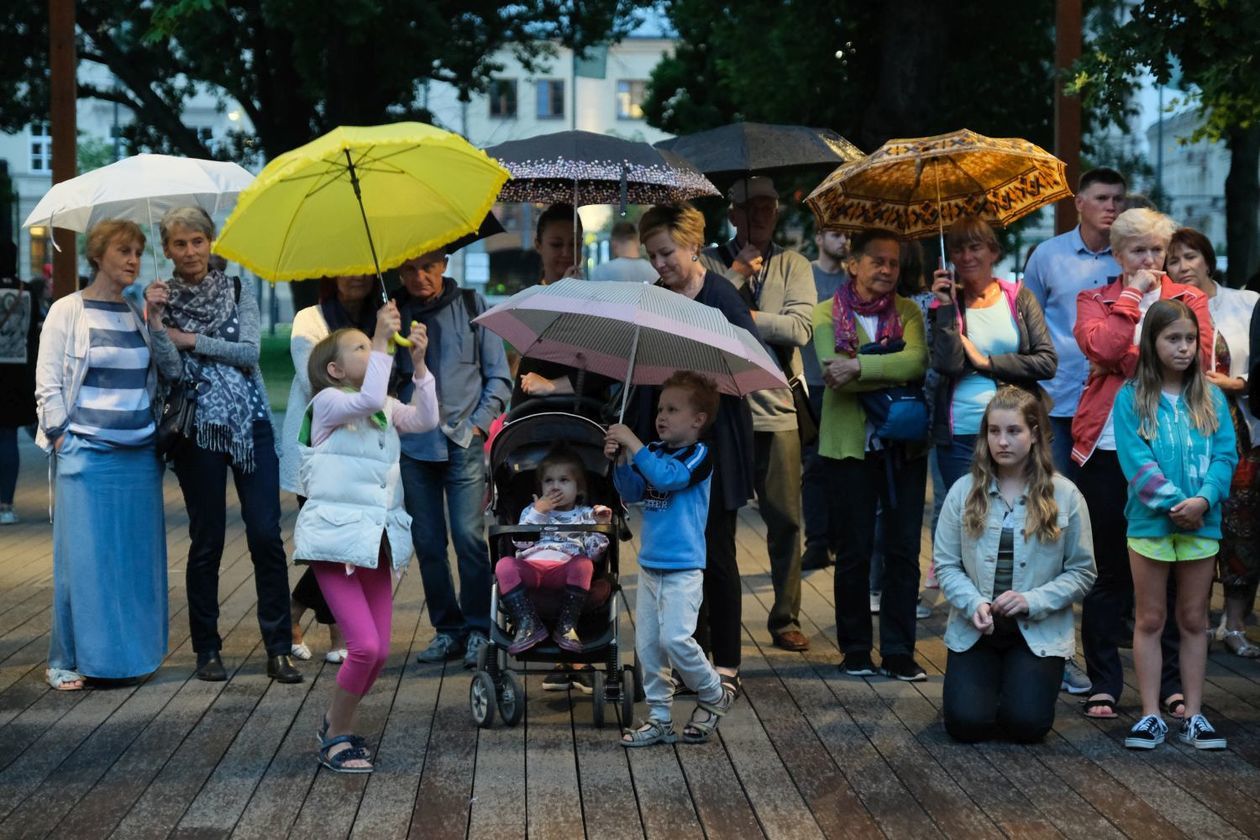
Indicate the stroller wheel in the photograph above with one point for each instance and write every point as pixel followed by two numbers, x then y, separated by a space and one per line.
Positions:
pixel 638 695
pixel 481 699
pixel 511 699
pixel 628 686
pixel 598 697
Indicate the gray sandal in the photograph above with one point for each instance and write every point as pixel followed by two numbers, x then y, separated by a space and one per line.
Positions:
pixel 652 731
pixel 699 731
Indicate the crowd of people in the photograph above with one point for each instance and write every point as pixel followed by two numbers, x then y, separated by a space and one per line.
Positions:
pixel 1088 433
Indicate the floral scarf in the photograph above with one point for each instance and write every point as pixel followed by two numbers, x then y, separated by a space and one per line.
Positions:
pixel 224 418
pixel 843 306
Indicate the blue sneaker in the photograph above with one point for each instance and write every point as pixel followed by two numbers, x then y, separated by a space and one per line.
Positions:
pixel 1147 734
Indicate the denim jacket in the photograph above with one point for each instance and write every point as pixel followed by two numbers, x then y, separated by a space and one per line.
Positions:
pixel 1050 576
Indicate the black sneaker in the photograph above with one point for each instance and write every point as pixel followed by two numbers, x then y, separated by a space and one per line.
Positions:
pixel 901 666
pixel 858 664
pixel 815 557
pixel 557 680
pixel 1147 734
pixel 1198 733
pixel 580 679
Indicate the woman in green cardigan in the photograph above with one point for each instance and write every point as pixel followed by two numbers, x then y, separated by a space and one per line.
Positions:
pixel 867 310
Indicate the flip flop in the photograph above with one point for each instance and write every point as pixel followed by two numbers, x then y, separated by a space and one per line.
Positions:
pixel 1108 705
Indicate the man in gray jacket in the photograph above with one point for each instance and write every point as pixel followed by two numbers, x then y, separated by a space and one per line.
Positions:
pixel 443 471
pixel 779 287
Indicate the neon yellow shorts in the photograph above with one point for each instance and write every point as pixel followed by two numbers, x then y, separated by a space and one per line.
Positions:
pixel 1175 547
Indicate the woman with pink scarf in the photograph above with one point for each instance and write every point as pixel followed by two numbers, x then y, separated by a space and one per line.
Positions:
pixel 869 338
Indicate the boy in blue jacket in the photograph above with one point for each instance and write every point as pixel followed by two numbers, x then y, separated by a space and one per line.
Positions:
pixel 671 477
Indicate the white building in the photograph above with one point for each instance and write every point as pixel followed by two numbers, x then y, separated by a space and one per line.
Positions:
pixel 1192 174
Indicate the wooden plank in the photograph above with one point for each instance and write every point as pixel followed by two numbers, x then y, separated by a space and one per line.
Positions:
pixel 443 798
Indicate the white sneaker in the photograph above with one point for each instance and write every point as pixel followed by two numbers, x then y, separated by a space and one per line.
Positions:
pixel 922 610
pixel 300 651
pixel 9 516
pixel 336 657
pixel 875 603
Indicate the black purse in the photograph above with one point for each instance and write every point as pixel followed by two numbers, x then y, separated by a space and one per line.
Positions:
pixel 179 414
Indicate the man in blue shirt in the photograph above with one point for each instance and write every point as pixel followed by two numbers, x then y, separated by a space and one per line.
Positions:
pixel 443 471
pixel 1057 271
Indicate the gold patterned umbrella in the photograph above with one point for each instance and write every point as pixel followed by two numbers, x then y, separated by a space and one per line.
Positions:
pixel 916 187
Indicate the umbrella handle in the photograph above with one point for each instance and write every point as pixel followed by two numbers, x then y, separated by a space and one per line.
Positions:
pixel 398 338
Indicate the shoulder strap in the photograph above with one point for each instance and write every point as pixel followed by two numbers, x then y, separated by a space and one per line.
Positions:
pixel 472 308
pixel 236 284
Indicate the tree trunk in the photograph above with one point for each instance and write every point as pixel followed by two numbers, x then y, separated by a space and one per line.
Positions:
pixel 912 36
pixel 1242 204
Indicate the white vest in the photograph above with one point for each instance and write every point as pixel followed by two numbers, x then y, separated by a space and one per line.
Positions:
pixel 354 493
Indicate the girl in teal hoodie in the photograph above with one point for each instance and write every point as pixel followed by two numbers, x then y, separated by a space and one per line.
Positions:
pixel 1175 442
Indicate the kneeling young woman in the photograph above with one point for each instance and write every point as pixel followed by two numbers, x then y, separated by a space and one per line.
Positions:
pixel 1013 553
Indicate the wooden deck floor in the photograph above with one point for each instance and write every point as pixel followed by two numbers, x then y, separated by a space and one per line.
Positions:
pixel 808 752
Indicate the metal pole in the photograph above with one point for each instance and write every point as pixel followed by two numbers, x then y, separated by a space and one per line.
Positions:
pixel 625 389
pixel 358 195
pixel 63 129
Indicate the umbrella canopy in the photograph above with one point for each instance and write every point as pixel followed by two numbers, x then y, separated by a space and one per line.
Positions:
pixel 637 333
pixel 740 149
pixel 915 187
pixel 358 199
pixel 139 189
pixel 582 168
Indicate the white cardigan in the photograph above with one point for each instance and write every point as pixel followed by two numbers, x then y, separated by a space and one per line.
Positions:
pixel 1231 315
pixel 309 327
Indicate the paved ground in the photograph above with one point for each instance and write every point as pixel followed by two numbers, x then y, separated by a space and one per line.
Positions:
pixel 807 752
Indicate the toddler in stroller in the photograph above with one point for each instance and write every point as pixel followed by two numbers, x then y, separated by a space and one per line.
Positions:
pixel 558 559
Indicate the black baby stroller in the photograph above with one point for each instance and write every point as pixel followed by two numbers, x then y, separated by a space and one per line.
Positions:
pixel 514 458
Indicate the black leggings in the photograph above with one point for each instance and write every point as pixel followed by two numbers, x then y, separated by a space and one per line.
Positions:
pixel 718 626
pixel 1000 689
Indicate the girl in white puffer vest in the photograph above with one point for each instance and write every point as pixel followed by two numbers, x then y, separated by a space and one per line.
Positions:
pixel 353 529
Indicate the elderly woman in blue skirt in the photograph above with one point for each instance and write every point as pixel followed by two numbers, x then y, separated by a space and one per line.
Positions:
pixel 96 379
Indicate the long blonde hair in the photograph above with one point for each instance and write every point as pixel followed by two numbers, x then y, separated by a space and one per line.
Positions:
pixel 1148 379
pixel 1043 512
pixel 327 350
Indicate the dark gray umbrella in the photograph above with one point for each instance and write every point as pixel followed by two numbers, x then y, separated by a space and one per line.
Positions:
pixel 742 149
pixel 582 168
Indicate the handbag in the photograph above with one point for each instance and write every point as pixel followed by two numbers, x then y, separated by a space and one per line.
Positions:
pixel 178 422
pixel 806 419
pixel 899 413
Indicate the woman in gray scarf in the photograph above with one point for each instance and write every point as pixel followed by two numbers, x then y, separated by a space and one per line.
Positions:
pixel 213 320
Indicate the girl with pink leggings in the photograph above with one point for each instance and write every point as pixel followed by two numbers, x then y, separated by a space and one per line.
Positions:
pixel 353 529
pixel 559 560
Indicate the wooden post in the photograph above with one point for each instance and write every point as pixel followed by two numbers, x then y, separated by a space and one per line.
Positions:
pixel 63 129
pixel 1067 110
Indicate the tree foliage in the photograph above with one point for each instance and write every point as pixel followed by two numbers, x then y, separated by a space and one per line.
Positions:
pixel 870 71
pixel 298 68
pixel 1213 44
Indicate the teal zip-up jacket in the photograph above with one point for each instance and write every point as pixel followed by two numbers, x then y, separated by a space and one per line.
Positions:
pixel 1179 463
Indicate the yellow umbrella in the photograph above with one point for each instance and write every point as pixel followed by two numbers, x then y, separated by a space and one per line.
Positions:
pixel 917 186
pixel 358 199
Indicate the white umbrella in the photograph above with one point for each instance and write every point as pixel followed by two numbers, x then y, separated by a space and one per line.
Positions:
pixel 634 332
pixel 140 189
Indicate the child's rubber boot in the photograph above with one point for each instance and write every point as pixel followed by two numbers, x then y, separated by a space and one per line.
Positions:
pixel 565 635
pixel 529 627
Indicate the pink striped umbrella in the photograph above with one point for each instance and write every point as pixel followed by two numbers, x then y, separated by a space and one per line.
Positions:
pixel 634 332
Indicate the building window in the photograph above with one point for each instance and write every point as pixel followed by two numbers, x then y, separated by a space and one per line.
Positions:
pixel 630 99
pixel 503 98
pixel 41 147
pixel 550 99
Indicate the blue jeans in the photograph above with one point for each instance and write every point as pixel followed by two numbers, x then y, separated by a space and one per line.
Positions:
pixel 432 490
pixel 202 477
pixel 954 458
pixel 8 463
pixel 1061 447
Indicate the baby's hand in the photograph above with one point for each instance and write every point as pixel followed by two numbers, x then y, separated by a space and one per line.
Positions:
pixel 603 514
pixel 543 504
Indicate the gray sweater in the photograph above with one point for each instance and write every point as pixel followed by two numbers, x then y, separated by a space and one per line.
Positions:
pixel 783 306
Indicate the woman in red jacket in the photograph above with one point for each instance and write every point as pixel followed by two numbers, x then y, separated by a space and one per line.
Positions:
pixel 1108 322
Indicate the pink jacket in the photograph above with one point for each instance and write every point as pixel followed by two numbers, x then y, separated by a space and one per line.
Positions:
pixel 1106 318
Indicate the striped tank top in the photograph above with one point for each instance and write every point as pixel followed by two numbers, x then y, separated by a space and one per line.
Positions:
pixel 113 405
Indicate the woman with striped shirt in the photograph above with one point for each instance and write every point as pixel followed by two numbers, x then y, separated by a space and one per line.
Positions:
pixel 96 377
